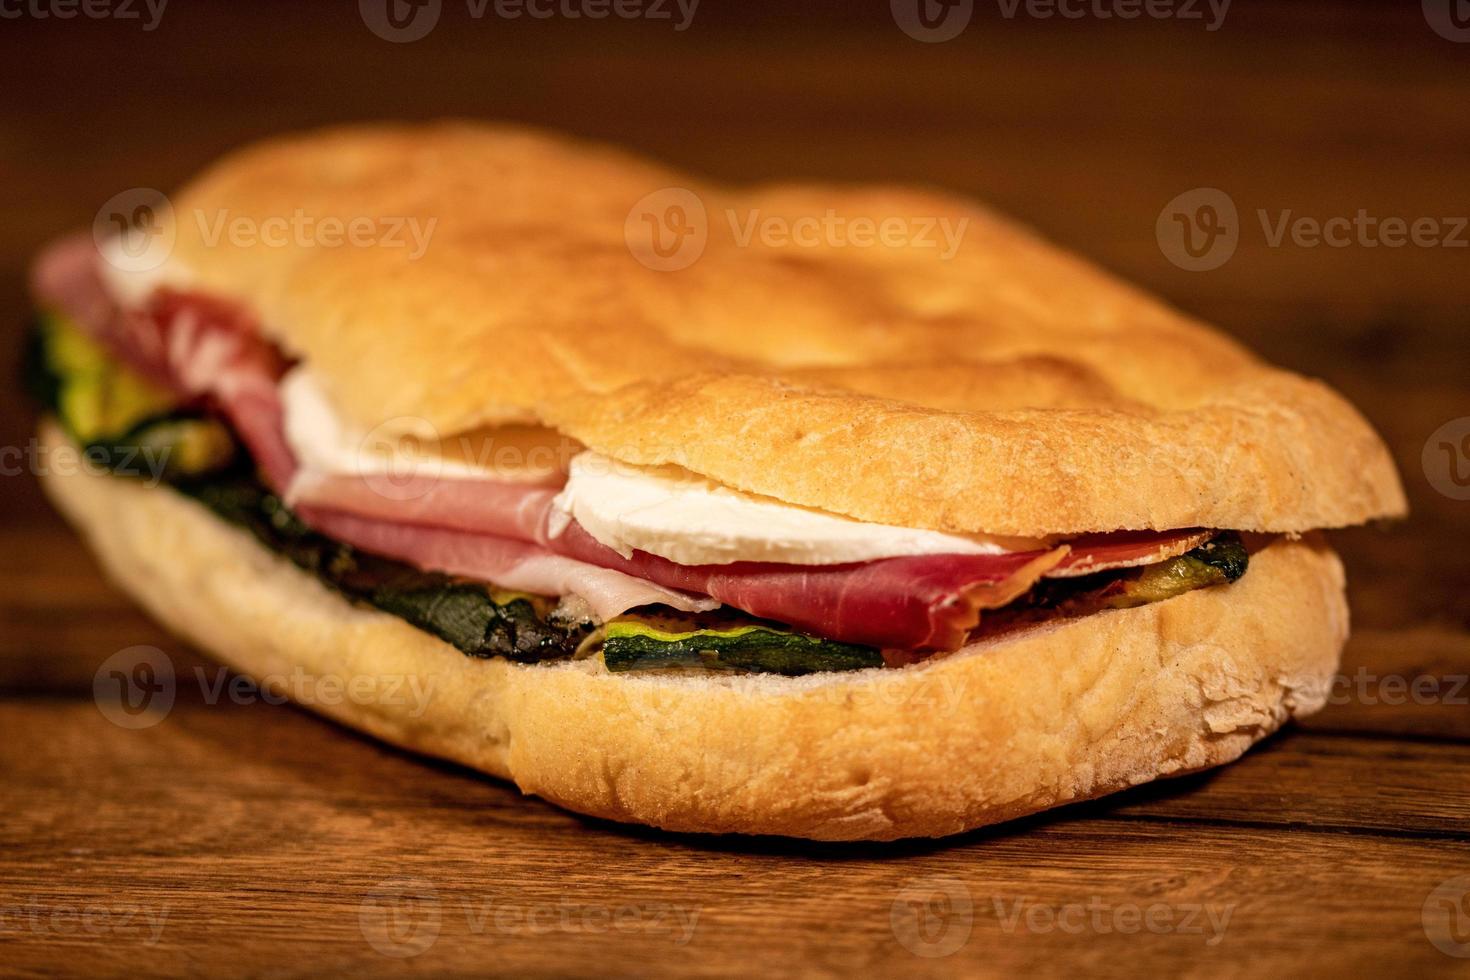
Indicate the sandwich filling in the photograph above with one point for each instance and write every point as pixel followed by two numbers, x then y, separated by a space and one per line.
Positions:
pixel 549 550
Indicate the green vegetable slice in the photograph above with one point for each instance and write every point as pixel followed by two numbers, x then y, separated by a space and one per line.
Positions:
pixel 95 397
pixel 1224 552
pixel 120 419
pixel 1219 561
pixel 638 644
pixel 477 620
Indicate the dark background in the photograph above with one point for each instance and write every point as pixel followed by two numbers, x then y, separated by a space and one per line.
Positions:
pixel 1084 129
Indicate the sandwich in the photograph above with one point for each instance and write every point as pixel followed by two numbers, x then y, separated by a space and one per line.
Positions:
pixel 823 535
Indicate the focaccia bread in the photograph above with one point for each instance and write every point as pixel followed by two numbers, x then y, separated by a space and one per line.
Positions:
pixel 999 730
pixel 1011 533
pixel 1114 410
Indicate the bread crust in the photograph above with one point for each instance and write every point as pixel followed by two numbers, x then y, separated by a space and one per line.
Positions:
pixel 1061 713
pixel 1007 388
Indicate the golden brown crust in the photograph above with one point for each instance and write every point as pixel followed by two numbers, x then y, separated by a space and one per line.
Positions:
pixel 1062 713
pixel 860 380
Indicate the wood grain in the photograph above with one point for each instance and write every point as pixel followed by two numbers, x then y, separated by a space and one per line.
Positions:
pixel 249 838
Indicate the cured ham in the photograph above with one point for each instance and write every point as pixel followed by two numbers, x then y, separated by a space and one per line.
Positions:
pixel 1125 549
pixel 509 534
pixel 204 348
pixel 928 602
pixel 513 510
pixel 516 565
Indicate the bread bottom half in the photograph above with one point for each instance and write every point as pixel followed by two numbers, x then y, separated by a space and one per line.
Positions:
pixel 1057 713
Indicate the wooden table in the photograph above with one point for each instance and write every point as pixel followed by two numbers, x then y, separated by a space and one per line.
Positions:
pixel 252 838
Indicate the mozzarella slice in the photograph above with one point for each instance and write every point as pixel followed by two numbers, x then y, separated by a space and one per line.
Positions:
pixel 678 515
pixel 664 511
pixel 324 442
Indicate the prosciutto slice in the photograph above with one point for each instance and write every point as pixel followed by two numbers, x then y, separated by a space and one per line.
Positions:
pixel 507 533
pixel 524 512
pixel 1126 549
pixel 205 348
pixel 928 602
pixel 512 510
pixel 517 565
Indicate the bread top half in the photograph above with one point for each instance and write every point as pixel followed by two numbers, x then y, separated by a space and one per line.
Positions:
pixel 987 383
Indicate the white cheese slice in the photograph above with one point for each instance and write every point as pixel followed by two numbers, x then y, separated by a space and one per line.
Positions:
pixel 324 442
pixel 131 281
pixel 690 520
